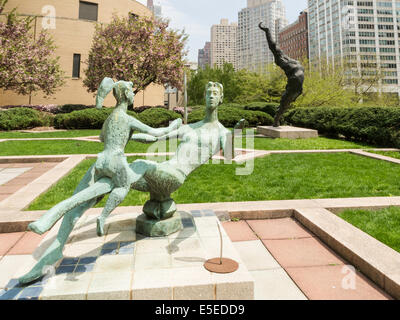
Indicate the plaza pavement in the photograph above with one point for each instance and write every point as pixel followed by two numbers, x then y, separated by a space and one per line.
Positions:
pixel 273 238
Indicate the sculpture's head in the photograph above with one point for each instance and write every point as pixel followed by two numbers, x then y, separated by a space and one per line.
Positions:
pixel 214 94
pixel 122 90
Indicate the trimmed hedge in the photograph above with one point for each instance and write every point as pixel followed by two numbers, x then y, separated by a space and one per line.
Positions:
pixel 94 118
pixel 68 108
pixel 267 107
pixel 157 117
pixel 24 118
pixel 230 115
pixel 374 125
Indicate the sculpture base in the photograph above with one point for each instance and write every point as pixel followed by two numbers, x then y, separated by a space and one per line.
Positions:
pixel 286 132
pixel 158 228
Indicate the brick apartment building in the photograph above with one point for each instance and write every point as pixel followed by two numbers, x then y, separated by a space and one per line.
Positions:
pixel 293 39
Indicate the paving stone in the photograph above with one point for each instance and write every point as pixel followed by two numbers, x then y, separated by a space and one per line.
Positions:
pixel 9 174
pixel 275 285
pixel 302 252
pixel 67 287
pixel 116 263
pixel 279 229
pixel 121 236
pixel 239 231
pixel 110 286
pixel 152 261
pixel 193 284
pixel 10 266
pixel 27 244
pixel 334 283
pixel 8 240
pixel 255 256
pixel 82 250
pixel 156 285
pixel 152 246
pixel 229 288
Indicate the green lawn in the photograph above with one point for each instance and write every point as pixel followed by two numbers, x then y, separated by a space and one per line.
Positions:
pixel 276 177
pixel 391 154
pixel 320 143
pixel 18 148
pixel 383 225
pixel 60 134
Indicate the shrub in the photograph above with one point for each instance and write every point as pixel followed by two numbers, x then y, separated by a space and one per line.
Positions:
pixel 144 108
pixel 83 119
pixel 229 116
pixel 50 108
pixel 68 108
pixel 94 118
pixel 374 125
pixel 23 118
pixel 157 117
pixel 267 107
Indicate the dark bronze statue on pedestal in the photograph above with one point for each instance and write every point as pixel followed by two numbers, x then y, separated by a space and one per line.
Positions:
pixel 294 72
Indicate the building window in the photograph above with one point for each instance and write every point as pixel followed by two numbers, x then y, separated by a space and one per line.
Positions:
pixel 76 68
pixel 88 10
pixel 133 16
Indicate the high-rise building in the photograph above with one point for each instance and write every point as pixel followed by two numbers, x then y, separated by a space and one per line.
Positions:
pixel 293 39
pixel 204 58
pixel 223 44
pixel 364 34
pixel 252 47
pixel 156 9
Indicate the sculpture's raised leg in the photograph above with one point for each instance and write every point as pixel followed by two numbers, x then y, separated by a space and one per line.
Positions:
pixel 114 200
pixel 49 219
pixel 54 252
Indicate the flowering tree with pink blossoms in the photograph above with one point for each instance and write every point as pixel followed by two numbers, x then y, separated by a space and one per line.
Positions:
pixel 138 49
pixel 26 64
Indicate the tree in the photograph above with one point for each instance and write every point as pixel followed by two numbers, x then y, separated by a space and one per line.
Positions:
pixel 241 86
pixel 324 86
pixel 137 49
pixel 26 64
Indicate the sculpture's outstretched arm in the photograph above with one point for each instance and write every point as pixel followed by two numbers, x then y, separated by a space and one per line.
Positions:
pixel 280 57
pixel 137 125
pixel 145 138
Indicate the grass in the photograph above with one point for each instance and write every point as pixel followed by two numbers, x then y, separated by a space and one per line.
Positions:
pixel 276 177
pixel 18 148
pixel 59 134
pixel 320 143
pixel 392 154
pixel 383 225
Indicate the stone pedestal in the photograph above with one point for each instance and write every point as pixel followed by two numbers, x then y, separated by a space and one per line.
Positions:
pixel 125 266
pixel 287 132
pixel 158 228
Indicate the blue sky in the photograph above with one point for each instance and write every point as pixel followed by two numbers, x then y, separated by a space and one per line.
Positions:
pixel 197 16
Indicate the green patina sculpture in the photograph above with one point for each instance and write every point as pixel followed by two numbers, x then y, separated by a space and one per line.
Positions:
pixel 111 174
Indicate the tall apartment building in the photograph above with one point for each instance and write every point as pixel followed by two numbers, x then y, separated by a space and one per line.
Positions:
pixel 223 44
pixel 366 33
pixel 156 9
pixel 253 51
pixel 204 57
pixel 293 39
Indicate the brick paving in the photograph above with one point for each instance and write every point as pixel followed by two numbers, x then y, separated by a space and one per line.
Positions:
pixel 20 175
pixel 297 265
